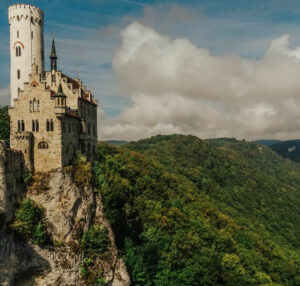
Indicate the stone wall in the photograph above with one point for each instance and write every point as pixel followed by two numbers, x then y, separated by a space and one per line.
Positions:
pixel 11 180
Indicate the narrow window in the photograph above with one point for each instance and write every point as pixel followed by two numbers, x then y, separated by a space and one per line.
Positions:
pixel 19 126
pixel 18 34
pixel 19 51
pixel 23 125
pixel 58 102
pixel 37 126
pixel 47 125
pixel 33 126
pixel 30 105
pixel 38 106
pixel 18 74
pixel 34 105
pixel 51 125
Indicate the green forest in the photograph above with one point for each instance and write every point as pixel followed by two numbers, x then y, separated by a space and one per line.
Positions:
pixel 187 211
pixel 192 212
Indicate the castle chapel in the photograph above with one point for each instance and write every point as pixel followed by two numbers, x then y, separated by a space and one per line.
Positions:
pixel 52 116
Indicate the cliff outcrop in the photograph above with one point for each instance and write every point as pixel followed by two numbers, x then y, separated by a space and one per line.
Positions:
pixel 70 210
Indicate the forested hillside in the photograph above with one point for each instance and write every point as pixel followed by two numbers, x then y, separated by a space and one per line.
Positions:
pixel 193 212
pixel 288 149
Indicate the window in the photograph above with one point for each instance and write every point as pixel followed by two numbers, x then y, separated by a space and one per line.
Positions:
pixel 34 105
pixel 53 78
pixel 23 125
pixel 33 126
pixel 51 125
pixel 19 126
pixel 38 106
pixel 47 125
pixel 43 145
pixel 18 51
pixel 18 74
pixel 18 34
pixel 58 101
pixel 37 126
pixel 30 105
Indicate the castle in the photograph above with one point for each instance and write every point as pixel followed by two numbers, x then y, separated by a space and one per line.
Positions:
pixel 52 116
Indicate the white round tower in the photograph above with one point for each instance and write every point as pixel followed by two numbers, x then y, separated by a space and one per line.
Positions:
pixel 26 44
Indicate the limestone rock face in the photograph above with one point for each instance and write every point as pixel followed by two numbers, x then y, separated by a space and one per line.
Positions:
pixel 69 211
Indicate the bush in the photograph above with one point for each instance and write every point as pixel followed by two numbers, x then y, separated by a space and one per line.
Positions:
pixel 82 171
pixel 29 222
pixel 95 240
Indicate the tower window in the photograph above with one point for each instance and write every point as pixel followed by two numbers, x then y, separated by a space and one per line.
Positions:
pixel 18 74
pixel 23 125
pixel 18 34
pixel 38 106
pixel 19 126
pixel 18 51
pixel 51 125
pixel 47 125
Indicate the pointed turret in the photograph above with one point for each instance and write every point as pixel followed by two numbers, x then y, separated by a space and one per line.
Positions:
pixel 53 56
pixel 60 91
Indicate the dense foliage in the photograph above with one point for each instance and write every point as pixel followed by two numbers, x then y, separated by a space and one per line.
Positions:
pixel 189 212
pixel 95 240
pixel 29 222
pixel 4 123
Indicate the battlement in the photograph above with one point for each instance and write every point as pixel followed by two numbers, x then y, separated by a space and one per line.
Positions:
pixel 18 12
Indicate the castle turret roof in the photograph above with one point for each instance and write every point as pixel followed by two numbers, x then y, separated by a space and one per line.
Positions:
pixel 60 91
pixel 53 51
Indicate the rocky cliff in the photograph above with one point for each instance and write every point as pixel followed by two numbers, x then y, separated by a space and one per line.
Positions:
pixel 69 212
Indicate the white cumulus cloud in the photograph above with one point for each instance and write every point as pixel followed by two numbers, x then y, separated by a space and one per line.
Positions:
pixel 177 87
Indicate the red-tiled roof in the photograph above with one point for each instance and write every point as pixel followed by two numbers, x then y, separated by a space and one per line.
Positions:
pixel 72 114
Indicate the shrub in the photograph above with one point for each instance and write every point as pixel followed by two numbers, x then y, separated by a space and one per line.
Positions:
pixel 95 240
pixel 29 222
pixel 82 171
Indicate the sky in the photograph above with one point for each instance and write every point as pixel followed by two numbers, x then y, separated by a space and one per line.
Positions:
pixel 210 68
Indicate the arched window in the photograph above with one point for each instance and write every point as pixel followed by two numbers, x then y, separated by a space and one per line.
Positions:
pixel 38 106
pixel 33 126
pixel 51 125
pixel 58 102
pixel 30 105
pixel 23 125
pixel 19 126
pixel 47 125
pixel 37 126
pixel 43 145
pixel 34 105
pixel 18 51
pixel 18 74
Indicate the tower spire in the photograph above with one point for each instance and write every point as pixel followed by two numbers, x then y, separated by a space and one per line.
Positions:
pixel 53 56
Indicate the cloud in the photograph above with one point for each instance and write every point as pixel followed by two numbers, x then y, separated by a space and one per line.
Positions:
pixel 5 95
pixel 177 87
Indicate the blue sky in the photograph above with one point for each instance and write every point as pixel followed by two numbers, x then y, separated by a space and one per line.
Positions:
pixel 88 33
